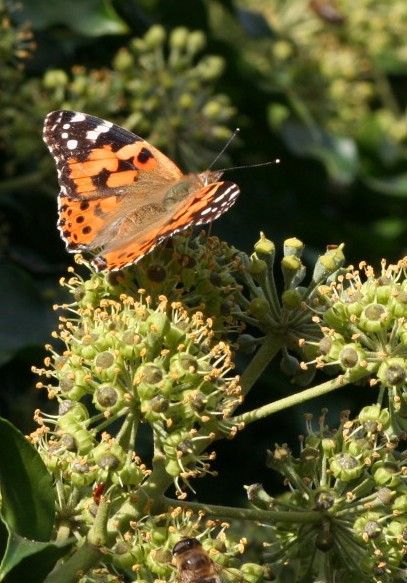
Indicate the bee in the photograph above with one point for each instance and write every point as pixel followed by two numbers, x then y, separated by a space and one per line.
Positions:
pixel 193 563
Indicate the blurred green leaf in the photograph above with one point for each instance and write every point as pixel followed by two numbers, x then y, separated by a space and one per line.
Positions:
pixel 27 560
pixel 28 505
pixel 24 315
pixel 254 23
pixel 90 18
pixel 339 155
pixel 393 186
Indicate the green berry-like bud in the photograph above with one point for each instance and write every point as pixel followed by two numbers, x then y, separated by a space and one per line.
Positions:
pixel 252 573
pixel 392 372
pixel 400 504
pixel 259 308
pixel 124 60
pixel 368 525
pixel 374 318
pixel 387 475
pixel 107 397
pixel 328 263
pixel 257 266
pixel 55 78
pixel 210 68
pixel 345 467
pixel 179 38
pixel 324 500
pixel 265 247
pixel 155 36
pixel 293 271
pixel 196 41
pixel 293 246
pixel 291 299
pixel 374 414
pixel 151 374
pixel 351 356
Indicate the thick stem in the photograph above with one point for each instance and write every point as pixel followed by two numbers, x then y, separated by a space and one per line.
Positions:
pixel 265 354
pixel 292 400
pixel 229 512
pixel 86 557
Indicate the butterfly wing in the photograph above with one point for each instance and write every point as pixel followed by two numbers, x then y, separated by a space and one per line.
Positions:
pixel 99 165
pixel 202 206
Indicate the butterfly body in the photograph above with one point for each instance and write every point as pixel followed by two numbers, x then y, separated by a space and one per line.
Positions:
pixel 120 196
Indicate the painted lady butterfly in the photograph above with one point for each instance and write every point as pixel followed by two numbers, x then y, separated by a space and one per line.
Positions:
pixel 120 196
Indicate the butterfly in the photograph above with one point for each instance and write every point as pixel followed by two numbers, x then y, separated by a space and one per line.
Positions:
pixel 119 196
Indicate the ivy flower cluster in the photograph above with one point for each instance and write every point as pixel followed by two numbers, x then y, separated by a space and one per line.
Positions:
pixel 128 362
pixel 354 478
pixel 365 330
pixel 284 319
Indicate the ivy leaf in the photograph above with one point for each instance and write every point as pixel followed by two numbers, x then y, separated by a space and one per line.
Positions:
pixel 24 557
pixel 90 18
pixel 28 503
pixel 392 186
pixel 338 155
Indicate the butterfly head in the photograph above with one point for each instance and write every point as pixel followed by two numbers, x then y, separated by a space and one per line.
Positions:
pixel 209 176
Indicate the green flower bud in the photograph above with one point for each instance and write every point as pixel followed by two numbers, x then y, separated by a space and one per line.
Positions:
pixel 373 416
pixel 81 474
pixel 328 263
pixel 345 467
pixel 210 67
pixel 264 248
pixel 196 41
pixel 55 78
pixel 291 299
pixel 246 343
pixel 324 499
pixel 398 304
pixel 392 372
pixel 259 308
pixel 293 246
pixel 368 525
pixel 257 266
pixel 331 347
pixel 387 474
pixel 293 271
pixel 252 573
pixel 155 36
pixel 179 38
pixel 108 398
pixel 374 318
pixel 400 504
pixel 124 60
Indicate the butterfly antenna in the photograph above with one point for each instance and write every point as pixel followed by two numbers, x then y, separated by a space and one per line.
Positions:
pixel 225 147
pixel 269 163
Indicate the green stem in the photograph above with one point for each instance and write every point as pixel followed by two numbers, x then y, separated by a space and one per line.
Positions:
pixel 86 557
pixel 230 512
pixel 267 351
pixel 292 400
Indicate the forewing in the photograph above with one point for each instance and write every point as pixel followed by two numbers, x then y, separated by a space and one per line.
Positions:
pixel 98 165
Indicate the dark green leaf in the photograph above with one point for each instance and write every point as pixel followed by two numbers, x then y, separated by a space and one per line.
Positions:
pixel 339 155
pixel 27 560
pixel 90 18
pixel 28 505
pixel 393 186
